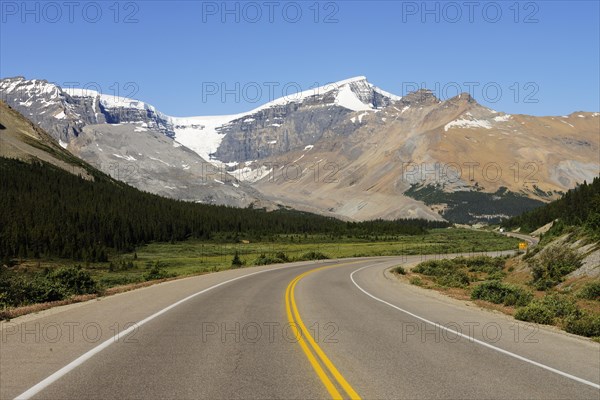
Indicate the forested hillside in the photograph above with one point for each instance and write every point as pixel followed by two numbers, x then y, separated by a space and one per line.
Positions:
pixel 579 206
pixel 46 211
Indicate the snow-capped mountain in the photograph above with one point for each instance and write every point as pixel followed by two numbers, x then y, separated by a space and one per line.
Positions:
pixel 297 121
pixel 127 139
pixel 347 149
pixel 457 158
pixel 63 112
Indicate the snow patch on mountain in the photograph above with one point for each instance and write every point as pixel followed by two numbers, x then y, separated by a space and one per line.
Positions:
pixel 503 118
pixel 200 134
pixel 108 100
pixel 347 98
pixel 468 123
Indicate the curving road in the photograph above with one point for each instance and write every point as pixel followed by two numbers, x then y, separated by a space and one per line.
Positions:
pixel 342 328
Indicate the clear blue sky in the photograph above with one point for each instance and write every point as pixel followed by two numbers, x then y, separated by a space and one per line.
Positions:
pixel 177 51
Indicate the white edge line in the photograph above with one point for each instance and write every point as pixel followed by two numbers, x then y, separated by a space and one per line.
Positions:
pixel 89 354
pixel 472 339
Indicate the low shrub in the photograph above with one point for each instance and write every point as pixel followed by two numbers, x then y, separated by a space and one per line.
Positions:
pixel 436 267
pixel 485 264
pixel 156 272
pixel 584 324
pixel 496 275
pixel 590 291
pixel 236 262
pixel 551 265
pixel 560 306
pixel 535 312
pixel 445 272
pixel 51 285
pixel 399 270
pixel 313 255
pixel 501 293
pixel 415 280
pixel 266 260
pixel 547 309
pixel 73 280
pixel 282 256
pixel 456 278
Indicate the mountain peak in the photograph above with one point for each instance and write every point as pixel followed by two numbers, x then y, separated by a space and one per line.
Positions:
pixel 463 97
pixel 351 80
pixel 421 96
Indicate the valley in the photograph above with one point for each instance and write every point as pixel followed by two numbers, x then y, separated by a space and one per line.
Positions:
pixel 299 200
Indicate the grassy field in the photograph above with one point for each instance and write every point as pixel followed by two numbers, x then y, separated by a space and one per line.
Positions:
pixel 194 257
pixel 32 281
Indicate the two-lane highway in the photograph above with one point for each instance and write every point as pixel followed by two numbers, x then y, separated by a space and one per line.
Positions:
pixel 306 330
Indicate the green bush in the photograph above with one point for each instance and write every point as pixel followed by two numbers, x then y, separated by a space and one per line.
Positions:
pixel 548 308
pixel 73 280
pixel 535 312
pixel 497 275
pixel 399 270
pixel 559 306
pixel 485 264
pixel 436 267
pixel 453 279
pixel 280 257
pixel 551 265
pixel 156 272
pixel 313 255
pixel 584 324
pixel 590 291
pixel 236 262
pixel 59 284
pixel 501 293
pixel 445 272
pixel 415 280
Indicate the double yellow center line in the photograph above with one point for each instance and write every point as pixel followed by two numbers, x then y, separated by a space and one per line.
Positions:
pixel 322 365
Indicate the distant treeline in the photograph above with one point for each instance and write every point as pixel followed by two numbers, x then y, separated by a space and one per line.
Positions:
pixel 471 207
pixel 578 207
pixel 47 212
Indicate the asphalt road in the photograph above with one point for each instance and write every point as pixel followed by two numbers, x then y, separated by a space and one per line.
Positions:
pixel 303 331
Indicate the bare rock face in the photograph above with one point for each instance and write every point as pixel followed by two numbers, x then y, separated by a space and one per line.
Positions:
pixel 64 112
pixel 291 124
pixel 147 159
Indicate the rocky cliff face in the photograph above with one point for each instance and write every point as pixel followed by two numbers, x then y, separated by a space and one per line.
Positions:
pixel 64 112
pixel 292 124
pixel 145 158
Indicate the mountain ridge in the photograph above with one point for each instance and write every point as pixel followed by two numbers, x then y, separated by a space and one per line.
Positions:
pixel 383 148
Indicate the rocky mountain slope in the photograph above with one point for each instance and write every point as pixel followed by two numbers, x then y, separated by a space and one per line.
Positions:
pixel 347 149
pixel 23 140
pixel 461 159
pixel 128 140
